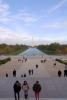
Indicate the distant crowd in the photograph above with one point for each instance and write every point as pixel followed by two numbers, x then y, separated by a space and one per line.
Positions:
pixel 31 71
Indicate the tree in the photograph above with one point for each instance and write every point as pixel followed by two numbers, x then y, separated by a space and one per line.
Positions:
pixel 54 47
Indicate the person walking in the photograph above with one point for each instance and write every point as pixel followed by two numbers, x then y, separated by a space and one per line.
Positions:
pixel 32 71
pixel 29 72
pixel 6 74
pixel 37 89
pixel 36 66
pixel 17 89
pixel 25 88
pixel 59 73
pixel 14 73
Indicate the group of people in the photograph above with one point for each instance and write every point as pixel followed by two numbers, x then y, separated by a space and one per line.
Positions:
pixel 43 61
pixel 30 71
pixel 23 60
pixel 60 73
pixel 25 87
pixel 14 73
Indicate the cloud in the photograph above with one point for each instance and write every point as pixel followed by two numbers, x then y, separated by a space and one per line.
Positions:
pixel 58 6
pixel 5 17
pixel 26 16
pixel 56 25
pixel 4 9
pixel 9 36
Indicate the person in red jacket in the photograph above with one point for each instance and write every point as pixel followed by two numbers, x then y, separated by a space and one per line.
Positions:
pixel 37 89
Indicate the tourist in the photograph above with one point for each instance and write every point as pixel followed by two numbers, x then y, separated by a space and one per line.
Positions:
pixel 24 74
pixel 29 72
pixel 41 61
pixel 54 64
pixel 44 60
pixel 32 71
pixel 36 66
pixel 37 89
pixel 59 73
pixel 6 74
pixel 19 60
pixel 17 88
pixel 65 73
pixel 25 59
pixel 14 73
pixel 25 88
pixel 22 61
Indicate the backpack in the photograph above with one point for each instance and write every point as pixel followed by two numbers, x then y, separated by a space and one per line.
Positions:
pixel 36 87
pixel 17 87
pixel 25 87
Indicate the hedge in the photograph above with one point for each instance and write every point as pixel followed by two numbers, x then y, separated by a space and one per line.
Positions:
pixel 5 60
pixel 61 61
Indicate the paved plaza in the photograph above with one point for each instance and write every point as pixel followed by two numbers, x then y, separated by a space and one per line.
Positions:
pixel 53 87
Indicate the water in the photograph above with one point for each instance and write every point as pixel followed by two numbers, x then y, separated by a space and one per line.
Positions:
pixel 33 52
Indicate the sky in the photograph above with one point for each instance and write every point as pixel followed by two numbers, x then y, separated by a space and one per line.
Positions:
pixel 33 22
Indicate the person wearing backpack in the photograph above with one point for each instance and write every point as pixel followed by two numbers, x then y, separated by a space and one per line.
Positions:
pixel 37 89
pixel 25 88
pixel 17 89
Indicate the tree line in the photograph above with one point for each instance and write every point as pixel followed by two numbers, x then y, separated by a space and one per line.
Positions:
pixel 12 49
pixel 53 48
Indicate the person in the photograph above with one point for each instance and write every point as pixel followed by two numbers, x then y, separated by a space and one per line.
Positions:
pixel 14 73
pixel 6 74
pixel 25 59
pixel 32 71
pixel 17 89
pixel 44 60
pixel 24 74
pixel 37 89
pixel 59 73
pixel 19 60
pixel 65 73
pixel 36 66
pixel 41 61
pixel 22 61
pixel 29 72
pixel 25 88
pixel 54 64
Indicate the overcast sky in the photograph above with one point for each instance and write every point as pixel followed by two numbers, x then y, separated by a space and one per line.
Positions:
pixel 43 21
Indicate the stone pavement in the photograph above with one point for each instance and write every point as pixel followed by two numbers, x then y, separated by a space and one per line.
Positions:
pixel 51 87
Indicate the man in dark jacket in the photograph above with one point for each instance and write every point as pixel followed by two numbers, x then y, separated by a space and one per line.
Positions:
pixel 59 73
pixel 14 73
pixel 17 88
pixel 37 89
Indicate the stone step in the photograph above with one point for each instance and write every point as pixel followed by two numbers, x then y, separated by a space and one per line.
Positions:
pixel 35 99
